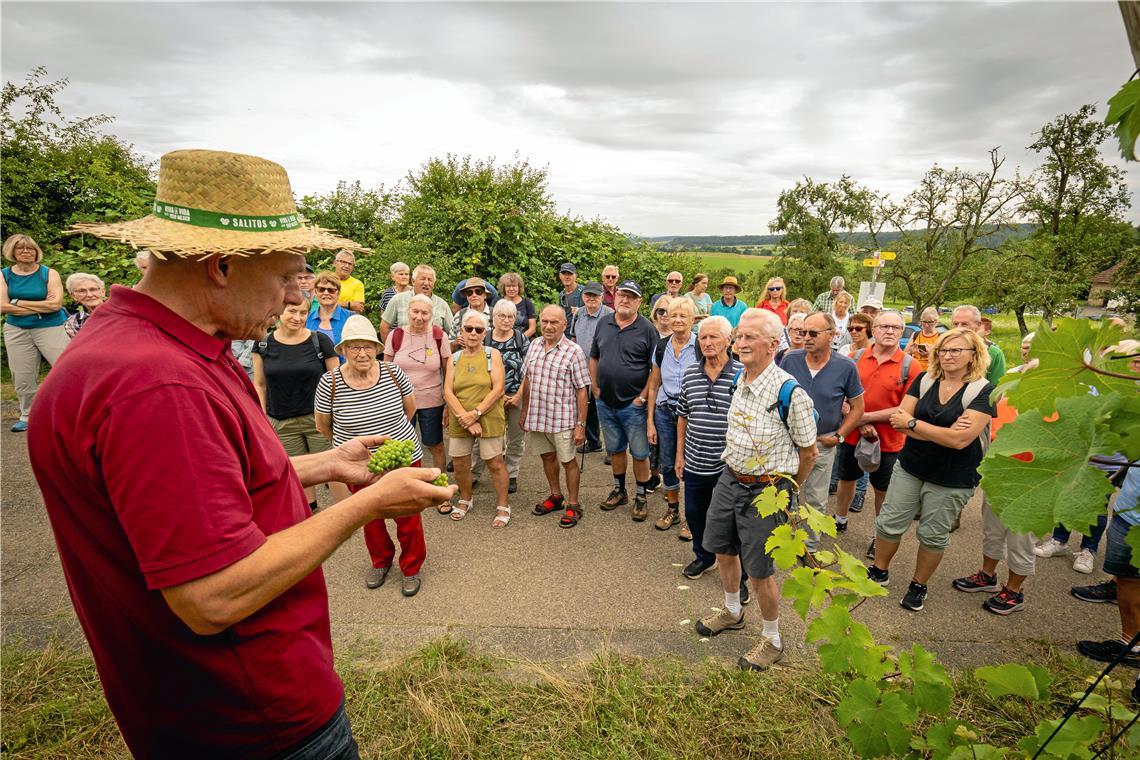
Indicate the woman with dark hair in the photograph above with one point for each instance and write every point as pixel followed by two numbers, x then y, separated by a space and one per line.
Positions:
pixel 699 295
pixel 329 316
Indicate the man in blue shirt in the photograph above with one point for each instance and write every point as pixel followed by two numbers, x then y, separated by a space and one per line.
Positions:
pixel 830 380
pixel 729 306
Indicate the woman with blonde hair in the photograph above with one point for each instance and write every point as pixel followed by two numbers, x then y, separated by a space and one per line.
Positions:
pixel 31 299
pixel 512 289
pixel 329 316
pixel 923 340
pixel 775 299
pixel 841 311
pixel 945 416
pixel 660 316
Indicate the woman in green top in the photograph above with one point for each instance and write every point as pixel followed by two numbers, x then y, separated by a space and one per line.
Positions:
pixel 31 299
pixel 698 294
pixel 473 392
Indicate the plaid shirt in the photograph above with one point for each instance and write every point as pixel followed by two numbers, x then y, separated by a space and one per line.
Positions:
pixel 757 441
pixel 824 301
pixel 553 377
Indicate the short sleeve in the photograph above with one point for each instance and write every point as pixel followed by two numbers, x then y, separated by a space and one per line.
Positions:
pixel 444 346
pixel 181 528
pixel 594 352
pixel 914 385
pixel 326 344
pixel 322 397
pixel 579 372
pixel 401 380
pixel 982 402
pixel 683 398
pixel 854 386
pixel 528 305
pixel 389 315
pixel 801 420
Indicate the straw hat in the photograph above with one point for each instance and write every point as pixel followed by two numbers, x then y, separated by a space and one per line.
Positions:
pixel 213 202
pixel 357 327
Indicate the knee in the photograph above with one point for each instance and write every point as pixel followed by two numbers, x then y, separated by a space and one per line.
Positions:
pixel 931 538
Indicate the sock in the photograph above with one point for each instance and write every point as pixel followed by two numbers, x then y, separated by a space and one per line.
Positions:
pixel 772 631
pixel 675 506
pixel 732 603
pixel 839 520
pixel 619 482
pixel 641 487
pixel 312 506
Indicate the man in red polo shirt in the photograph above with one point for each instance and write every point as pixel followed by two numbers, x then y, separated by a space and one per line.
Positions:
pixel 886 372
pixel 181 524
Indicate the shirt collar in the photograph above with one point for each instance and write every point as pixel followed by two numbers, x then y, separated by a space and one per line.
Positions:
pixel 131 303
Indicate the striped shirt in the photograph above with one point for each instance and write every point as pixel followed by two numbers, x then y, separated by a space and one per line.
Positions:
pixel 378 410
pixel 704 405
pixel 553 377
pixel 758 442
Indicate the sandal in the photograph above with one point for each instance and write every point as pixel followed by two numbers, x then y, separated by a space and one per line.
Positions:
pixel 445 508
pixel 459 511
pixel 552 504
pixel 501 519
pixel 572 516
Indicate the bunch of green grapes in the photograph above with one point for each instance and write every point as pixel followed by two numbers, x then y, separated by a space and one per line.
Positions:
pixel 392 455
pixel 441 480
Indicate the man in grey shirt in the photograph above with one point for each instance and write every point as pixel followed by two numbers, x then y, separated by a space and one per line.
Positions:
pixel 585 323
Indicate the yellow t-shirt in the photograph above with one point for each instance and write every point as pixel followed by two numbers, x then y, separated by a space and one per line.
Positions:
pixel 351 289
pixel 918 339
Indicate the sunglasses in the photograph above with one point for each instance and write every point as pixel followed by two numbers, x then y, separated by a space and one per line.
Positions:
pixel 660 312
pixel 815 333
pixel 327 290
pixel 773 290
pixel 673 282
pixel 858 328
pixel 475 330
pixel 475 292
pixel 609 277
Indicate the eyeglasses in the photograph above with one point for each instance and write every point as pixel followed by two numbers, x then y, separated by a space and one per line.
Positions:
pixel 773 290
pixel 892 328
pixel 816 333
pixel 474 330
pixel 796 331
pixel 358 349
pixel 673 282
pixel 954 352
pixel 930 321
pixel 320 289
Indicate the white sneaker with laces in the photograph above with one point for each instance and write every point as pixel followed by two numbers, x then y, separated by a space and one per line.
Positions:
pixel 1050 548
pixel 1083 562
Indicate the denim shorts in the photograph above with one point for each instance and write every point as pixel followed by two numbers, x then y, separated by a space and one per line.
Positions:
pixel 624 426
pixel 431 425
pixel 332 741
pixel 1117 554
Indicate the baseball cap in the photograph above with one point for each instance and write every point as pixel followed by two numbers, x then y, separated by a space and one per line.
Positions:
pixel 594 288
pixel 568 267
pixel 630 286
pixel 874 303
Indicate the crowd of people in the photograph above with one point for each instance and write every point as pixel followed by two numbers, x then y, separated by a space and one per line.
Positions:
pixel 168 540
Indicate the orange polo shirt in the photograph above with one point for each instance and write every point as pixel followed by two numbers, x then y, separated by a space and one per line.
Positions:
pixel 881 390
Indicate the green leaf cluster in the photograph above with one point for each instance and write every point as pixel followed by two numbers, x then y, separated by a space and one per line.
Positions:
pixel 1124 115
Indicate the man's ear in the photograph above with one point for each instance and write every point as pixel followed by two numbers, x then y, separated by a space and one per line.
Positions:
pixel 218 268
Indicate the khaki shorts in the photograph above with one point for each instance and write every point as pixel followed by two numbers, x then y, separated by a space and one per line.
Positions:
pixel 462 446
pixel 561 443
pixel 299 435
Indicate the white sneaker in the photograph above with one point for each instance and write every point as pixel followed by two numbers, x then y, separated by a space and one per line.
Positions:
pixel 1083 562
pixel 1050 548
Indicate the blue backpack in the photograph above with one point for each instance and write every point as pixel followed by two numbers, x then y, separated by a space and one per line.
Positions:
pixel 783 403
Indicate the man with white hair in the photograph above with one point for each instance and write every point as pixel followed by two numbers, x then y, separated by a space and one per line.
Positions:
pixel 825 301
pixel 401 276
pixel 673 282
pixel 759 445
pixel 396 315
pixel 351 289
pixel 970 318
pixel 610 274
pixel 142 261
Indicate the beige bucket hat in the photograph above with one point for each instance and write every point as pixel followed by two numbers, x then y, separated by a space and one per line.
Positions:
pixel 358 327
pixel 213 202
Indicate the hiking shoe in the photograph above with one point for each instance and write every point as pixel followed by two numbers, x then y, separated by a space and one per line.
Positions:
pixel 1107 651
pixel 857 502
pixel 584 449
pixel 1098 593
pixel 1005 602
pixel 915 598
pixel 762 656
pixel 1084 561
pixel 1050 548
pixel 697 568
pixel 882 577
pixel 840 527
pixel 616 498
pixel 711 625
pixel 871 549
pixel 410 586
pixel 640 509
pixel 19 426
pixel 745 594
pixel 376 577
pixel 684 534
pixel 513 486
pixel 671 517
pixel 979 581
pixel 653 484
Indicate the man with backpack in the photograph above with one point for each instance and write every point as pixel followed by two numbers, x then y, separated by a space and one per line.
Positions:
pixel 764 440
pixel 833 384
pixel 886 372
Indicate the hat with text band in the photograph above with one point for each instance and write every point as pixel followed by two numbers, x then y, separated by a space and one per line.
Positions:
pixel 212 202
pixel 630 286
pixel 730 280
pixel 358 327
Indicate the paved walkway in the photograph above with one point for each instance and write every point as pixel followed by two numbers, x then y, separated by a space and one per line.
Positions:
pixel 535 591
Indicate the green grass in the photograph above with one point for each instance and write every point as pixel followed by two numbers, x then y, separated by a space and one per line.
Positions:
pixel 713 261
pixel 447 701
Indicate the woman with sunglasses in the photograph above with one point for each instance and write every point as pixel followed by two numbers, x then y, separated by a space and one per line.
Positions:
pixel 698 294
pixel 944 416
pixel 473 391
pixel 661 317
pixel 859 328
pixel 775 299
pixel 329 317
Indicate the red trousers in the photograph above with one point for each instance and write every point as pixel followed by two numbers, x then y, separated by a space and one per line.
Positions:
pixel 410 534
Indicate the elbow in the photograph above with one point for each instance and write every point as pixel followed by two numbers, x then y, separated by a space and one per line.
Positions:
pixel 203 616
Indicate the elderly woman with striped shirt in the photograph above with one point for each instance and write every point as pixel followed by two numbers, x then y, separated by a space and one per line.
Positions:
pixel 369 397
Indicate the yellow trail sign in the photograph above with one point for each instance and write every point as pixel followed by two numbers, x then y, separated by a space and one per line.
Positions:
pixel 888 255
pixel 872 263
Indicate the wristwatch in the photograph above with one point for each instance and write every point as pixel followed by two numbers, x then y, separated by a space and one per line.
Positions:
pixel 911 423
pixel 838 437
pixel 642 399
pixel 478 412
pixel 580 424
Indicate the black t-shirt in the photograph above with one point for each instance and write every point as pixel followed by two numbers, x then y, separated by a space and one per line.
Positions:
pixel 937 464
pixel 625 358
pixel 291 374
pixel 524 312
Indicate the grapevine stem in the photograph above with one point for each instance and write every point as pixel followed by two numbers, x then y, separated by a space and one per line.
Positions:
pixel 1108 373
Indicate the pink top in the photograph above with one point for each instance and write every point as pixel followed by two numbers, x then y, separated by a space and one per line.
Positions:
pixel 420 357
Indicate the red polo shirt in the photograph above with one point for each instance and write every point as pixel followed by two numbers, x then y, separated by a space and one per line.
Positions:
pixel 780 309
pixel 157 467
pixel 882 389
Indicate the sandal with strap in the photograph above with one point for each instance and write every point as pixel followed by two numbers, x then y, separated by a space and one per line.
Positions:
pixel 461 508
pixel 501 519
pixel 551 504
pixel 445 508
pixel 572 516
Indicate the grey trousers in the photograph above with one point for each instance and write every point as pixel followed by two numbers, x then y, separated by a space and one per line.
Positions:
pixel 999 543
pixel 25 347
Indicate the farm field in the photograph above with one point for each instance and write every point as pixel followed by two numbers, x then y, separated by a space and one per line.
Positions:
pixel 713 261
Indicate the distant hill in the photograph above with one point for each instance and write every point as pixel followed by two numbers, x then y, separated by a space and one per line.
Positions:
pixel 860 239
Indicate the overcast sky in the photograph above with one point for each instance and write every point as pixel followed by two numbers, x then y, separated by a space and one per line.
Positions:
pixel 663 119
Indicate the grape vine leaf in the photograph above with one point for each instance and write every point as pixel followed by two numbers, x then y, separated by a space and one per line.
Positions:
pixel 1061 371
pixel 849 647
pixel 876 721
pixel 1124 421
pixel 770 501
pixel 1132 538
pixel 855 573
pixel 978 752
pixel 1057 486
pixel 1075 739
pixel 816 520
pixel 807 588
pixel 1010 679
pixel 1124 113
pixel 931 685
pixel 784 545
pixel 942 738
